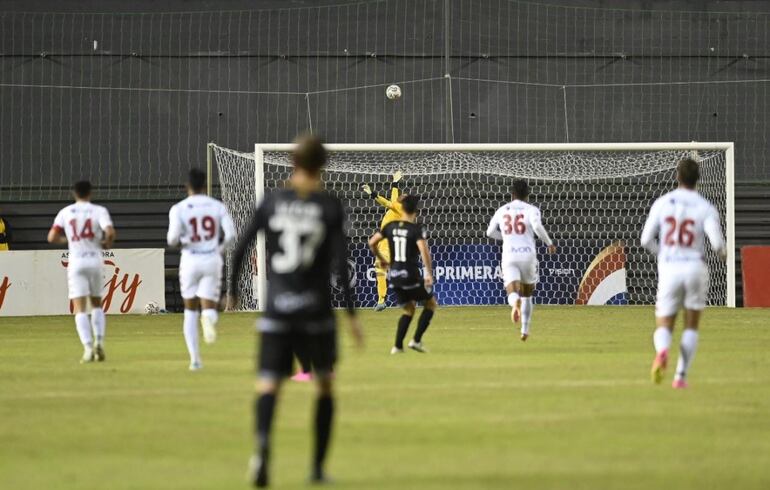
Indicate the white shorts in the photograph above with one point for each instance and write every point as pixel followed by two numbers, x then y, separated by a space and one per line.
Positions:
pixel 200 276
pixel 681 284
pixel 523 269
pixel 85 280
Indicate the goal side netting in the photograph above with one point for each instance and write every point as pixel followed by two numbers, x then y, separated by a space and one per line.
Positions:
pixel 594 203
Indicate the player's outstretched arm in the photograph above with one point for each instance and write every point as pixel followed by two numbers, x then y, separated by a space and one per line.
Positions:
pixel 427 262
pixel 395 192
pixel 378 198
pixel 373 241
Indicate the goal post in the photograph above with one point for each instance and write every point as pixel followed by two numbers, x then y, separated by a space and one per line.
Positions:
pixel 594 198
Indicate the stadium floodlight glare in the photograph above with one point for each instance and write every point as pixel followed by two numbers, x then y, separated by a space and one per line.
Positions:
pixel 594 198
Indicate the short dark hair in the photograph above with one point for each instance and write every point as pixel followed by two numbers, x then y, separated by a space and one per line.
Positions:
pixel 410 203
pixel 520 189
pixel 309 153
pixel 82 189
pixel 196 179
pixel 687 172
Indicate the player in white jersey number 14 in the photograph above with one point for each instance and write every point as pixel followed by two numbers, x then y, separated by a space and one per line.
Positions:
pixel 516 224
pixel 203 228
pixel 676 230
pixel 87 229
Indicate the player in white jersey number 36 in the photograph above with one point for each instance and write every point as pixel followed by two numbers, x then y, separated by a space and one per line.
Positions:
pixel 198 224
pixel 87 229
pixel 681 220
pixel 516 224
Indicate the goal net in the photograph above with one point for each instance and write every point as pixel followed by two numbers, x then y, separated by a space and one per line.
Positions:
pixel 594 201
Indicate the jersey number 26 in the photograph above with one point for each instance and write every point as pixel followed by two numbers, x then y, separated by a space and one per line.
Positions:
pixel 684 237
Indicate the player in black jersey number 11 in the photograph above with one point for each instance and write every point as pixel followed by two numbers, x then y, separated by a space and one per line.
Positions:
pixel 304 240
pixel 408 243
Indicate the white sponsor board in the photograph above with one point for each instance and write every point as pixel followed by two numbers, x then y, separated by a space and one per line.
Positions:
pixel 35 282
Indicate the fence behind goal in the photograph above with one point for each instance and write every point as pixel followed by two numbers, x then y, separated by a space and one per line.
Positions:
pixel 594 200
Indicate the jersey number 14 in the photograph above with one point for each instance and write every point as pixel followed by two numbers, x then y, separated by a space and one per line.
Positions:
pixel 87 233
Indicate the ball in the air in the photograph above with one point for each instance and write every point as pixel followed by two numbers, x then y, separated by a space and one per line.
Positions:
pixel 393 92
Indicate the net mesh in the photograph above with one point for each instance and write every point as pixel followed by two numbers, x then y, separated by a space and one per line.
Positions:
pixel 590 200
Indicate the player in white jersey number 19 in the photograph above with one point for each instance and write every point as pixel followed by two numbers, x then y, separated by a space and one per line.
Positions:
pixel 203 228
pixel 676 229
pixel 87 229
pixel 516 224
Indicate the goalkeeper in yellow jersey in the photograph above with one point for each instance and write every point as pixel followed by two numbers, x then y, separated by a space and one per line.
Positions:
pixel 393 212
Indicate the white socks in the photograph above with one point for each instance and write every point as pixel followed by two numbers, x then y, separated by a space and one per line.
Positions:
pixel 526 313
pixel 687 348
pixel 83 327
pixel 211 315
pixel 191 334
pixel 99 324
pixel 512 299
pixel 661 339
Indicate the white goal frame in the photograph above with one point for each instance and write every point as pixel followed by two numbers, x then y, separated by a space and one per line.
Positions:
pixel 727 147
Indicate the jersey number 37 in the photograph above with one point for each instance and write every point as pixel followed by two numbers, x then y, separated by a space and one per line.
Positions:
pixel 299 242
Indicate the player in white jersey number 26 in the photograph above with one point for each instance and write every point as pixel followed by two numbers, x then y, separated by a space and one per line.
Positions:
pixel 203 228
pixel 676 229
pixel 516 224
pixel 87 229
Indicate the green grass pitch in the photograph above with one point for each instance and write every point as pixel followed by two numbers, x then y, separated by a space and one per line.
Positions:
pixel 572 408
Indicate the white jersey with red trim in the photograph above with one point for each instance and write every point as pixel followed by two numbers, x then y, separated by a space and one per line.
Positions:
pixel 198 224
pixel 83 223
pixel 681 220
pixel 516 224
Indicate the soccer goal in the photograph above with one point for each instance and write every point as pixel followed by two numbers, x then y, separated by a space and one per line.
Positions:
pixel 594 199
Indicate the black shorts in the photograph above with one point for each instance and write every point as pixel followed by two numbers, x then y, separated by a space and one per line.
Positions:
pixel 419 293
pixel 277 351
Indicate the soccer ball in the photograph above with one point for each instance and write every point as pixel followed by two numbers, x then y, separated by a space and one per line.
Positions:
pixel 151 308
pixel 393 92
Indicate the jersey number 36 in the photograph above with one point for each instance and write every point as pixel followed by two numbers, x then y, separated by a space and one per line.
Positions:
pixel 511 224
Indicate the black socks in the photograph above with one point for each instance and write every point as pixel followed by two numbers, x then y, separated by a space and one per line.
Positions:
pixel 264 408
pixel 324 414
pixel 403 326
pixel 422 324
